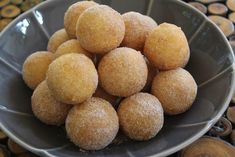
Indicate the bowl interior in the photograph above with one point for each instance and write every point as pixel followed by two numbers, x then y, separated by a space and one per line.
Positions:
pixel 211 64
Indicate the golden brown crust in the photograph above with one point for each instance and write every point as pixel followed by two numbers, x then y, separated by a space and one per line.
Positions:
pixel 93 124
pixel 152 71
pixel 73 13
pixel 46 108
pixel 166 47
pixel 138 27
pixel 58 38
pixel 71 46
pixel 72 78
pixel 100 29
pixel 175 89
pixel 141 116
pixel 35 68
pixel 123 72
pixel 101 93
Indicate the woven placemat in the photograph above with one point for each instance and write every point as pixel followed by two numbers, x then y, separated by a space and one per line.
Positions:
pixel 222 12
pixel 10 9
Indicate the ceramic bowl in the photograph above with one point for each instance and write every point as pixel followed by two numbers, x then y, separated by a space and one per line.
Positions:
pixel 211 64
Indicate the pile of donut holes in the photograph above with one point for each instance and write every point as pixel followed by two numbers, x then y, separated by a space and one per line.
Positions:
pixel 104 71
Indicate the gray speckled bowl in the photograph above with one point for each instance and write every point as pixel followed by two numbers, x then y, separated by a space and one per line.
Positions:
pixel 211 64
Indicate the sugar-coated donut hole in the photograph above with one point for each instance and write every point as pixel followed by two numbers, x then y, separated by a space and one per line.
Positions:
pixel 100 29
pixel 101 93
pixel 175 89
pixel 71 46
pixel 46 108
pixel 166 47
pixel 141 116
pixel 73 13
pixel 93 124
pixel 35 67
pixel 123 72
pixel 138 27
pixel 58 38
pixel 72 78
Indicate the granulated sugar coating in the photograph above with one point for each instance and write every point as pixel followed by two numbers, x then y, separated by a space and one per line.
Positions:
pixel 35 68
pixel 71 46
pixel 166 47
pixel 141 116
pixel 93 124
pixel 72 78
pixel 175 89
pixel 138 27
pixel 57 39
pixel 101 93
pixel 73 13
pixel 46 108
pixel 123 72
pixel 100 29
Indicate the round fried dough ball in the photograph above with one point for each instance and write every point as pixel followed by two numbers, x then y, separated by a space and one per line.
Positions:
pixel 93 124
pixel 35 68
pixel 46 108
pixel 141 116
pixel 166 47
pixel 175 89
pixel 71 46
pixel 73 13
pixel 123 72
pixel 100 29
pixel 101 93
pixel 138 27
pixel 72 78
pixel 57 39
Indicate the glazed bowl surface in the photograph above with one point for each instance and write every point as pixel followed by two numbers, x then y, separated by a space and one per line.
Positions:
pixel 211 64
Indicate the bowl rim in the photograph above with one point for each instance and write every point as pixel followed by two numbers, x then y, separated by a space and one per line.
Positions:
pixel 210 123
